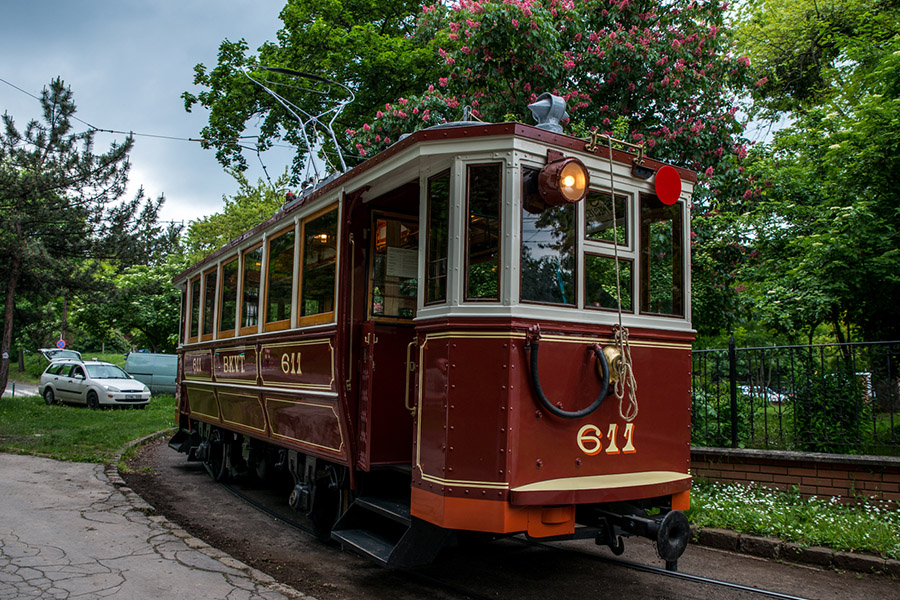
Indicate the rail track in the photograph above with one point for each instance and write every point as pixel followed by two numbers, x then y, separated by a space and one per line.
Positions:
pixel 259 499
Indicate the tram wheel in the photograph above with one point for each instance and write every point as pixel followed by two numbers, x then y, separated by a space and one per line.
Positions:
pixel 217 461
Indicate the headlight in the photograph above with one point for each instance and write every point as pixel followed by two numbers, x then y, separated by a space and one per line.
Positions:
pixel 146 389
pixel 110 388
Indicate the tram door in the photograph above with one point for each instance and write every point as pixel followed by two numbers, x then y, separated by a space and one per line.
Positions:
pixel 385 423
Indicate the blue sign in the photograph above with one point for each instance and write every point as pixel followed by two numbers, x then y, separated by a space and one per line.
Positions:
pixel 61 344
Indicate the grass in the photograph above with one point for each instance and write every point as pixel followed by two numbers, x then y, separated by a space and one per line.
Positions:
pixel 861 525
pixel 76 433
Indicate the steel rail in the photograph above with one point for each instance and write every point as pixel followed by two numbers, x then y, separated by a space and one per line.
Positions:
pixel 589 555
pixel 675 574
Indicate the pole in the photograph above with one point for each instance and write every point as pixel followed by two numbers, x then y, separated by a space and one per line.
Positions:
pixel 732 378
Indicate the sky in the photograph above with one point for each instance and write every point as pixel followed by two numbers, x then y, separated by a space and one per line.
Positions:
pixel 127 63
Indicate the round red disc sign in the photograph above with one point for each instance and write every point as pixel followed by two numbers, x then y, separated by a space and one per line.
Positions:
pixel 668 185
pixel 61 344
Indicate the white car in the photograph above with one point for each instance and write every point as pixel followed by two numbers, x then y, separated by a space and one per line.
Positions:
pixel 93 383
pixel 761 391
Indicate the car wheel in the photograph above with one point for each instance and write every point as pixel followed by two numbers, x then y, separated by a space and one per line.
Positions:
pixel 49 398
pixel 93 401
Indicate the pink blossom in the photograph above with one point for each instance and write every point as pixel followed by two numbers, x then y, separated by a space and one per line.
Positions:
pixel 426 115
pixel 379 114
pixel 465 50
pixel 709 172
pixel 453 36
pixel 362 151
pixel 431 87
pixel 450 60
pixel 442 82
pixel 387 140
pixel 367 127
pixel 568 64
pixel 744 61
pixel 762 82
pixel 515 23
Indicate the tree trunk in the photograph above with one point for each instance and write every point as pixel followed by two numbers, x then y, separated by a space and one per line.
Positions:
pixel 6 343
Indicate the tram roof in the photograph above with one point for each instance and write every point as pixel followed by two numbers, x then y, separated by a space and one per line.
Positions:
pixel 432 134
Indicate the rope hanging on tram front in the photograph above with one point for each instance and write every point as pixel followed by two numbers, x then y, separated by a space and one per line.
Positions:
pixel 626 378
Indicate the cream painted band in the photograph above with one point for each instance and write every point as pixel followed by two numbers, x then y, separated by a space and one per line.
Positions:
pixel 639 344
pixel 495 485
pixel 263 389
pixel 338 450
pixel 603 482
pixel 253 396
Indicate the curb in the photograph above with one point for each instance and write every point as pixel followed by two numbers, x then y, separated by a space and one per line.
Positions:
pixel 790 552
pixel 111 471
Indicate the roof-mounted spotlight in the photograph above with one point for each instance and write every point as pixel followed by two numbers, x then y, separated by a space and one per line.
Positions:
pixel 563 180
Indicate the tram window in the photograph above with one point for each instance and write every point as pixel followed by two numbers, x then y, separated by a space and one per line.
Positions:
pixel 319 268
pixel 483 232
pixel 598 218
pixel 662 257
pixel 209 304
pixel 195 308
pixel 600 282
pixel 279 280
pixel 250 290
pixel 548 248
pixel 228 301
pixel 438 237
pixel 395 267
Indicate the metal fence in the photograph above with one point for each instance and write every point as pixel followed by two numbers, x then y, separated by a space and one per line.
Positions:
pixel 842 398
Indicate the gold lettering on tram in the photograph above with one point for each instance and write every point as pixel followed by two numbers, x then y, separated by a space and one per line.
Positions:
pixel 589 439
pixel 234 364
pixel 197 364
pixel 290 363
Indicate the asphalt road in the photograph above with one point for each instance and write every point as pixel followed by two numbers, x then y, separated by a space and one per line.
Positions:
pixel 20 389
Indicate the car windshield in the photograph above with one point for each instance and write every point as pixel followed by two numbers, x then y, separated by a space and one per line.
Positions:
pixel 106 372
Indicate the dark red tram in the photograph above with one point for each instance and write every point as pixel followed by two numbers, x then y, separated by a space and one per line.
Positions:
pixel 484 328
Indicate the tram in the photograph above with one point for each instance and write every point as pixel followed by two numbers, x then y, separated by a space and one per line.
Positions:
pixel 483 328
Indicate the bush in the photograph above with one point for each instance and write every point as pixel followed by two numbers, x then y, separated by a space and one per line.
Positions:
pixel 832 413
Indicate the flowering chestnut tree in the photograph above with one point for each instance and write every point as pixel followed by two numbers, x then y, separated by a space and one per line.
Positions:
pixel 662 72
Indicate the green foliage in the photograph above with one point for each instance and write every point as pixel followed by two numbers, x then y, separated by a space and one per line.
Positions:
pixel 246 208
pixel 806 53
pixel 823 213
pixel 832 413
pixel 660 74
pixel 61 214
pixel 74 432
pixel 367 45
pixel 866 525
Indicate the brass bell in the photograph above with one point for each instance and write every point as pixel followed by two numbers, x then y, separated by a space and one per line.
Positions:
pixel 613 359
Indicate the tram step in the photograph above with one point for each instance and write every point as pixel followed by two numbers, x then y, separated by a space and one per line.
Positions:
pixel 366 543
pixel 396 510
pixel 383 530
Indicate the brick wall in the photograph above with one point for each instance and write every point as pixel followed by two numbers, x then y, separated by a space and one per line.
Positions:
pixel 811 473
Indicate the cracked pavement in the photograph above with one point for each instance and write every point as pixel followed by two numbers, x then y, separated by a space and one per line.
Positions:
pixel 72 530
